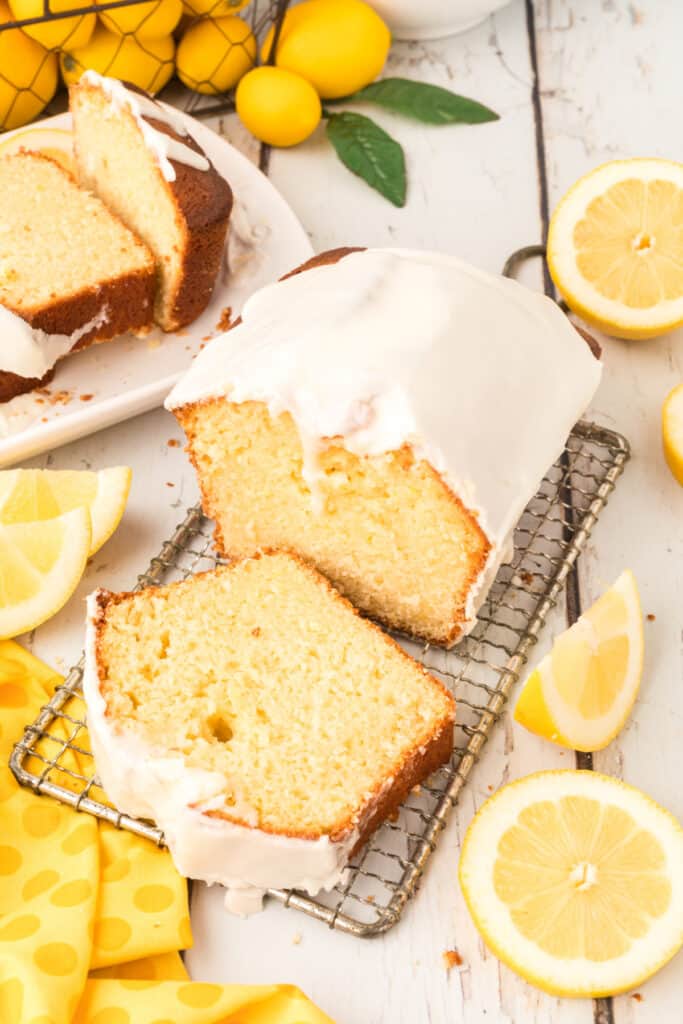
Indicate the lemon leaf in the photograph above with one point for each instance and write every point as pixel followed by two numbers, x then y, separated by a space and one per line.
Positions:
pixel 371 153
pixel 430 104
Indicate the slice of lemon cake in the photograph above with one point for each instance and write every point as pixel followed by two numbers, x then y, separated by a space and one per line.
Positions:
pixel 137 155
pixel 71 273
pixel 387 414
pixel 264 725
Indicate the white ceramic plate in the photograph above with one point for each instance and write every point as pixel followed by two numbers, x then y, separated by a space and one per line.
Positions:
pixel 111 382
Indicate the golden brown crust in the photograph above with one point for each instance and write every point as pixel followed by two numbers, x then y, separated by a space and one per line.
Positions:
pixel 204 203
pixel 428 754
pixel 129 300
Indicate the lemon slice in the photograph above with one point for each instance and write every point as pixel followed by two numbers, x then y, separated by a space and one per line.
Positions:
pixel 575 881
pixel 40 567
pixel 672 431
pixel 615 247
pixel 583 691
pixel 29 495
pixel 53 142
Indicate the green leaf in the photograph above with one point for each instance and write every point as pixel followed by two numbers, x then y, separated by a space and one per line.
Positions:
pixel 369 152
pixel 424 102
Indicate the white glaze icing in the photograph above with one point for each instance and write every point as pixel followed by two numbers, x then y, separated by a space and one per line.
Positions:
pixel 163 147
pixel 148 783
pixel 483 377
pixel 30 352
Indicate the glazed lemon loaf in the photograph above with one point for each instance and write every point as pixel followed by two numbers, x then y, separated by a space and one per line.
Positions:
pixel 262 723
pixel 387 415
pixel 71 273
pixel 139 158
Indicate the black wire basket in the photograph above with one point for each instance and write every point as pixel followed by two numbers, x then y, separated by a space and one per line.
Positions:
pixel 40 53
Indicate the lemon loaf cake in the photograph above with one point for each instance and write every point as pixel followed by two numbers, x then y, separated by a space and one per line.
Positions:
pixel 138 157
pixel 387 415
pixel 264 725
pixel 70 272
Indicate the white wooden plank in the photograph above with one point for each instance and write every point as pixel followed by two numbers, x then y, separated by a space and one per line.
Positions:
pixel 611 89
pixel 473 192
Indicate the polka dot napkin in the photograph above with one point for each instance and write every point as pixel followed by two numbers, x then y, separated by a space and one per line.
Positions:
pixel 92 918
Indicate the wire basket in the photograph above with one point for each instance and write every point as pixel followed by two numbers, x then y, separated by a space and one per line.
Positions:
pixel 33 50
pixel 53 757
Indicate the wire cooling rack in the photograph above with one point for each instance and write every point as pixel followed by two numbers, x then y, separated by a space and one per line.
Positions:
pixel 53 756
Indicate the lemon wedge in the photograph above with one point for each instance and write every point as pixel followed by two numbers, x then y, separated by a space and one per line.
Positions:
pixel 40 567
pixel 575 881
pixel 672 431
pixel 615 247
pixel 582 691
pixel 32 495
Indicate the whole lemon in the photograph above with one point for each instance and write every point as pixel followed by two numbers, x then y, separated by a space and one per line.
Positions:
pixel 213 8
pixel 214 54
pixel 277 106
pixel 147 21
pixel 338 45
pixel 28 75
pixel 60 32
pixel 149 64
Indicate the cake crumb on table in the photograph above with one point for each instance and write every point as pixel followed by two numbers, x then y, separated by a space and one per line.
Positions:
pixel 173 443
pixel 225 319
pixel 451 958
pixel 86 398
pixel 169 484
pixel 650 617
pixel 637 996
pixel 296 939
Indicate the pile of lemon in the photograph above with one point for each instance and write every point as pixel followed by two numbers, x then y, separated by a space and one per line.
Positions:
pixel 326 49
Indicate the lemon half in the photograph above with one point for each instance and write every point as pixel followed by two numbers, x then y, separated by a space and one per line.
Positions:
pixel 582 692
pixel 56 143
pixel 615 247
pixel 575 881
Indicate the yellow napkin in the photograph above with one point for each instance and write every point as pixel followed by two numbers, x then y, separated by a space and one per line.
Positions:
pixel 91 917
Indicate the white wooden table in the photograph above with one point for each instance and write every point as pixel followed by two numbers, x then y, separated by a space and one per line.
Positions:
pixel 576 82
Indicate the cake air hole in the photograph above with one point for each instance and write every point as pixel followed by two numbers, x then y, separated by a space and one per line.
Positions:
pixel 220 728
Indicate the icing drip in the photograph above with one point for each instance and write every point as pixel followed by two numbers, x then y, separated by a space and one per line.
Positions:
pixel 162 146
pixel 30 352
pixel 482 377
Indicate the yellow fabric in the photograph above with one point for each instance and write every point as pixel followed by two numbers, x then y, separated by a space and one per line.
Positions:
pixel 91 917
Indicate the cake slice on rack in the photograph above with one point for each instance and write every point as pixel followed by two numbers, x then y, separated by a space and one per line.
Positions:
pixel 137 155
pixel 264 725
pixel 71 273
pixel 388 415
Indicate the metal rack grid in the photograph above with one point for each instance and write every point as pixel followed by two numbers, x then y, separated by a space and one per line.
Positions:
pixel 53 757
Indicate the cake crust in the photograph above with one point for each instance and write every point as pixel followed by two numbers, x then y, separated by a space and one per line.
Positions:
pixel 204 201
pixel 426 756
